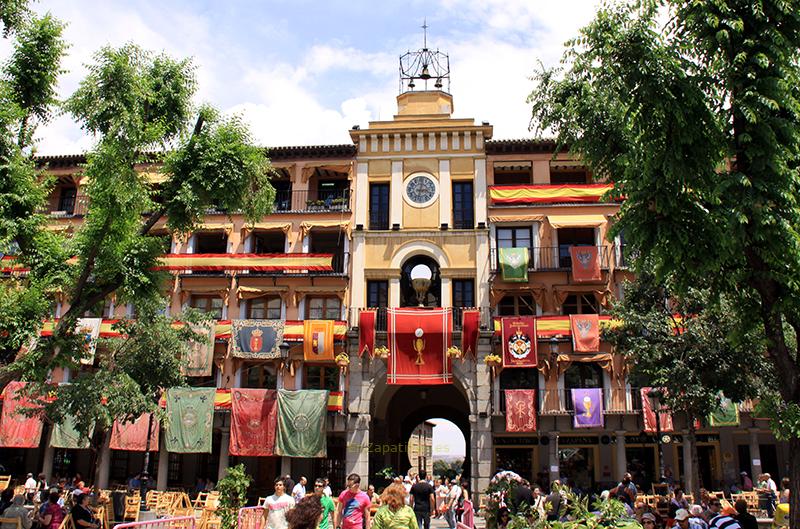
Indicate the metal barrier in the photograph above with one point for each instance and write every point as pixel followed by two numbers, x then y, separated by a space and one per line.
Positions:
pixel 251 518
pixel 177 522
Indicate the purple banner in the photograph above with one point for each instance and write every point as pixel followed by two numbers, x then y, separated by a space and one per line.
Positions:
pixel 588 405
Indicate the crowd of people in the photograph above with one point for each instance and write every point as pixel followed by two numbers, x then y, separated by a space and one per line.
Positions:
pixel 407 503
pixel 49 507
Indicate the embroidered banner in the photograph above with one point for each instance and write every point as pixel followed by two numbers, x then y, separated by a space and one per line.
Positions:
pixel 514 264
pixel 18 430
pixel 66 436
pixel 190 416
pixel 520 410
pixel 256 338
pixel 318 340
pixel 254 418
pixel 470 325
pixel 89 329
pixel 201 355
pixel 366 332
pixel 664 417
pixel 588 406
pixel 302 423
pixel 418 343
pixel 726 414
pixel 585 330
pixel 519 341
pixel 585 263
pixel 133 435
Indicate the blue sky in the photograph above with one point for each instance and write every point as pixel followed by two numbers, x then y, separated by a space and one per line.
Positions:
pixel 303 72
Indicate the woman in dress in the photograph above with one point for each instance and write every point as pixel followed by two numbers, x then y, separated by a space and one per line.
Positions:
pixel 441 497
pixel 393 512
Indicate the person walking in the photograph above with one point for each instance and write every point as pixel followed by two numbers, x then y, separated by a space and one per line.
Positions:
pixel 327 504
pixel 747 483
pixel 30 488
pixel 299 490
pixel 423 501
pixel 354 504
pixel 451 504
pixel 277 505
pixel 441 497
pixel 393 512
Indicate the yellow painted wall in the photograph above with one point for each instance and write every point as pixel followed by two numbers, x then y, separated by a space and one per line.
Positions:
pixel 415 218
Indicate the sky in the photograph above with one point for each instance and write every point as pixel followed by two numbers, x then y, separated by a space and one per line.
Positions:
pixel 447 439
pixel 303 72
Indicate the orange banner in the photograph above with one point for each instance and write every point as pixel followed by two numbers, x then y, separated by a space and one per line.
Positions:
pixel 585 263
pixel 542 194
pixel 318 340
pixel 585 332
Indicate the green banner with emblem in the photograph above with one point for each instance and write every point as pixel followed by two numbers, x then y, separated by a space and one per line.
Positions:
pixel 726 414
pixel 190 418
pixel 514 264
pixel 302 423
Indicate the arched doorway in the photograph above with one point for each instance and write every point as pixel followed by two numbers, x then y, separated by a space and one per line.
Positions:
pixel 408 295
pixel 397 411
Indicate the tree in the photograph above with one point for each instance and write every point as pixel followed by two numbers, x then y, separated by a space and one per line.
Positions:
pixel 138 106
pixel 447 469
pixel 683 345
pixel 696 123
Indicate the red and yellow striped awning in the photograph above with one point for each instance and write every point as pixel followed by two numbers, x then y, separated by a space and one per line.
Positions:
pixel 547 194
pixel 270 262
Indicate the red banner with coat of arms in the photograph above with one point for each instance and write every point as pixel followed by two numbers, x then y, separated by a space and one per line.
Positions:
pixel 585 263
pixel 519 342
pixel 254 420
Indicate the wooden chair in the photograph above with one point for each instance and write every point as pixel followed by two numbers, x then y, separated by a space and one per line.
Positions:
pixel 67 523
pixel 5 482
pixel 200 500
pixel 261 500
pixel 132 504
pixel 9 521
pixel 720 495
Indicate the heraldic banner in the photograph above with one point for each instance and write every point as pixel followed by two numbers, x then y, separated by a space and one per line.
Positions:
pixel 418 342
pixel 588 406
pixel 89 329
pixel 318 340
pixel 201 352
pixel 664 417
pixel 302 423
pixel 585 329
pixel 514 264
pixel 520 410
pixel 18 430
pixel 366 332
pixel 256 338
pixel 519 341
pixel 254 418
pixel 726 414
pixel 190 414
pixel 133 435
pixel 470 325
pixel 66 436
pixel 585 263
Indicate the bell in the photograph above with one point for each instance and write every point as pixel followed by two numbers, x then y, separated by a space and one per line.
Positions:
pixel 438 83
pixel 425 75
pixel 411 84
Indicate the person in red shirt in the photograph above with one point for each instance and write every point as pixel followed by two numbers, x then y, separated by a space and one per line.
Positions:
pixel 354 504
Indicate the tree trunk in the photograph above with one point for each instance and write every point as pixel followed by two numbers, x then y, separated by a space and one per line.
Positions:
pixel 694 479
pixel 98 460
pixel 794 477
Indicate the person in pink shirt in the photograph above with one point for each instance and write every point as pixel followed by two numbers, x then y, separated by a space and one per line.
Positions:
pixel 354 504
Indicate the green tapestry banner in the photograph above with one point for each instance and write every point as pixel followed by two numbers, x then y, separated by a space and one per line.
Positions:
pixel 726 415
pixel 514 264
pixel 190 416
pixel 65 436
pixel 302 423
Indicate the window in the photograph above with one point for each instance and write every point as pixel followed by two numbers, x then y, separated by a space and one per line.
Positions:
pixel 208 304
pixel 264 308
pixel 583 375
pixel 210 243
pixel 463 293
pixel 283 195
pixel 463 205
pixel 580 304
pixel 322 377
pixel 568 177
pixel 269 242
pixel 333 192
pixel 329 242
pixel 259 376
pixel 327 308
pixel 378 293
pixel 516 305
pixel 572 237
pixel 66 200
pixel 379 206
pixel 514 237
pixel 513 173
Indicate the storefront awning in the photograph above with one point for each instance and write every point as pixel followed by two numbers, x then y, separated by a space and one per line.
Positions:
pixel 576 221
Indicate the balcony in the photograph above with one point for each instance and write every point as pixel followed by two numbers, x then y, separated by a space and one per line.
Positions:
pixel 559 402
pixel 70 206
pixel 381 317
pixel 312 200
pixel 549 258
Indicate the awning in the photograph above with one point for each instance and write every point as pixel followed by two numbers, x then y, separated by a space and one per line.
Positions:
pixel 544 194
pixel 576 221
pixel 227 228
pixel 600 292
pixel 305 227
pixel 245 292
pixel 309 169
pixel 285 227
pixel 317 262
pixel 516 218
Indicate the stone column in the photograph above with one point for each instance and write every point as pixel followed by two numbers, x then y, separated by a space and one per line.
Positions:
pixel 622 459
pixel 555 472
pixel 224 459
pixel 755 455
pixel 687 463
pixel 481 442
pixel 49 454
pixel 162 473
pixel 104 462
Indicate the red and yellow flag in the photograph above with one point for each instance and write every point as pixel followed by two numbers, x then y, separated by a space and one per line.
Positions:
pixel 318 340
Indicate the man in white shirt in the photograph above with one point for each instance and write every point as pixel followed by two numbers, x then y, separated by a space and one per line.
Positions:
pixel 299 491
pixel 277 505
pixel 451 504
pixel 30 488
pixel 327 489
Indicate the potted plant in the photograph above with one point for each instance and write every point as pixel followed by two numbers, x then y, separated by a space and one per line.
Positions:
pixel 454 352
pixel 381 352
pixel 342 360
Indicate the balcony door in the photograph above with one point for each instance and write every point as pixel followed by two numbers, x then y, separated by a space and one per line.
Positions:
pixel 568 237
pixel 329 242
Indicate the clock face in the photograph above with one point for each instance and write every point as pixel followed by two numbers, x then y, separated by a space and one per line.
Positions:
pixel 420 190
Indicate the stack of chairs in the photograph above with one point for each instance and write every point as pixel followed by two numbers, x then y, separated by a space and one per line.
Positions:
pixel 132 504
pixel 5 482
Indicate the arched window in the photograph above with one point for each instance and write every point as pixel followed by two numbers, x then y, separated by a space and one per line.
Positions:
pixel 408 296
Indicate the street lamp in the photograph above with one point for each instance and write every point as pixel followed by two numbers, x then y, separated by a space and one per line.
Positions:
pixel 655 404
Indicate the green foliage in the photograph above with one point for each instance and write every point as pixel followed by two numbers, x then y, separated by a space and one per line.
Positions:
pixel 447 469
pixel 13 14
pixel 233 494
